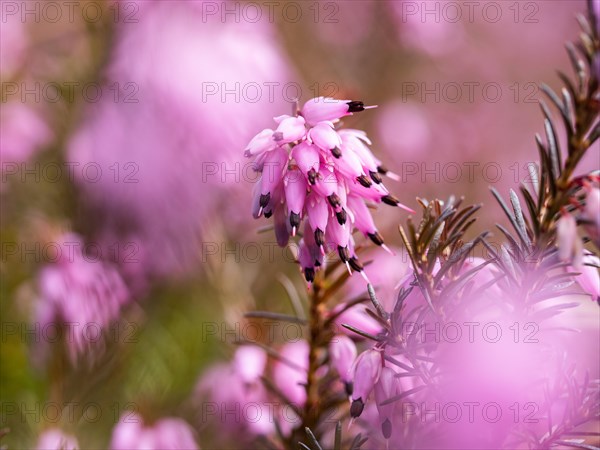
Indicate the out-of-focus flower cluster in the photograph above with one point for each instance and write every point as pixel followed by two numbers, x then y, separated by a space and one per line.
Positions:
pixel 77 292
pixel 168 139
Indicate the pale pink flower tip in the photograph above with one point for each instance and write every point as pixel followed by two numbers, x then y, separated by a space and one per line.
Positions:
pixel 385 389
pixel 591 215
pixel 55 439
pixel 289 373
pixel 250 362
pixel 311 170
pixel 570 246
pixel 342 352
pixel 367 369
pixel 79 290
pixel 168 433
pixel 589 278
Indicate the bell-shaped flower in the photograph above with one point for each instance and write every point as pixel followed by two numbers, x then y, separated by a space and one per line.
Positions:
pixel 290 129
pixel 56 439
pixel 295 194
pixel 570 247
pixel 591 215
pixel 385 389
pixel 367 369
pixel 290 371
pixel 589 278
pixel 318 213
pixel 307 158
pixel 262 142
pixel 342 353
pixel 249 362
pixel 326 138
pixel 327 109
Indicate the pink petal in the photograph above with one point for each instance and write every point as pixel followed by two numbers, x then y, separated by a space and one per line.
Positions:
pixel 307 157
pixel 260 143
pixel 324 136
pixel 289 130
pixel 295 191
pixel 342 353
pixel 363 220
pixel 318 211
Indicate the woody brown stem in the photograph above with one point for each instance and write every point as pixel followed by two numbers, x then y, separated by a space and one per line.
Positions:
pixel 318 338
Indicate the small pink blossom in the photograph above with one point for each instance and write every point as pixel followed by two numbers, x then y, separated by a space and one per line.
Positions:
pixel 24 132
pixel 342 353
pixel 165 434
pixel 324 136
pixel 367 369
pixel 56 439
pixel 79 290
pixel 321 109
pixel 385 389
pixel 250 362
pixel 237 385
pixel 589 279
pixel 569 245
pixel 262 142
pixel 356 317
pixel 290 129
pixel 289 374
pixel 591 215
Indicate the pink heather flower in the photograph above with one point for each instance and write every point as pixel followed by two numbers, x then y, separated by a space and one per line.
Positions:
pixel 569 245
pixel 24 132
pixel 367 369
pixel 235 387
pixel 250 362
pixel 385 389
pixel 55 439
pixel 310 169
pixel 289 374
pixel 165 434
pixel 290 129
pixel 342 353
pixel 324 136
pixel 322 109
pixel 591 214
pixel 262 142
pixel 84 293
pixel 13 45
pixel 589 278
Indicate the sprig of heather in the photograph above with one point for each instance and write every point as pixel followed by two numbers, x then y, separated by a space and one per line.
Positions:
pixel 401 365
pixel 316 181
pixel 544 240
pixel 540 260
pixel 312 169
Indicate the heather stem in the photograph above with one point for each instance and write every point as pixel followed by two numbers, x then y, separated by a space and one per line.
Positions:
pixel 311 407
pixel 317 340
pixel 577 148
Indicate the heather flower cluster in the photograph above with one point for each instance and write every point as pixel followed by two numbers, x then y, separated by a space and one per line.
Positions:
pixel 312 169
pixel 131 433
pixel 79 292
